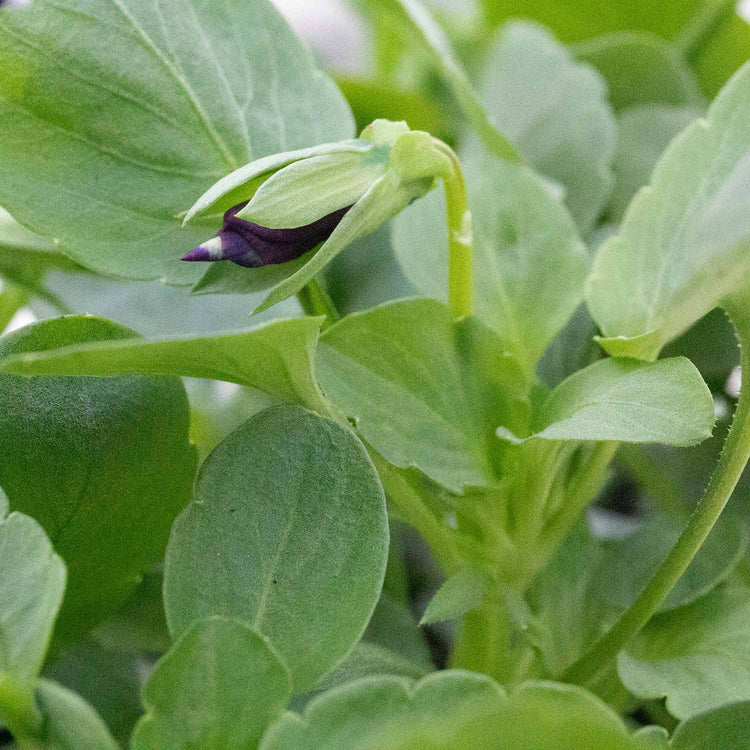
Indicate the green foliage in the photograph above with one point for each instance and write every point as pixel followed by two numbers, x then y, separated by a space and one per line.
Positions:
pixel 263 605
pixel 555 111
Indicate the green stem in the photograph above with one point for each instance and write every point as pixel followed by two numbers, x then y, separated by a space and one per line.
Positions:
pixel 18 710
pixel 699 30
pixel 413 510
pixel 582 490
pixel 316 301
pixel 12 298
pixel 734 457
pixel 460 242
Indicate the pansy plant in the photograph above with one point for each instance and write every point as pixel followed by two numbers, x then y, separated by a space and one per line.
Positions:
pixel 236 564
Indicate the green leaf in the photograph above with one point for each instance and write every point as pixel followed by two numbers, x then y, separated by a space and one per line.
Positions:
pixel 727 727
pixel 306 190
pixel 698 656
pixel 380 203
pixel 370 713
pixel 414 20
pixel 31 591
pixel 424 391
pixel 217 689
pixel 461 593
pixel 104 465
pixel 119 115
pixel 539 715
pixel 555 111
pixel 682 249
pixel 241 184
pixel 635 402
pixel 451 709
pixel 70 722
pixel 529 262
pixel 641 68
pixel 304 491
pixel 276 357
pixel 644 133
pixel 108 680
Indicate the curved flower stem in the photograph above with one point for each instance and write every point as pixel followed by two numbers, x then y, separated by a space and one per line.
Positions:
pixel 460 242
pixel 316 301
pixel 734 457
pixel 19 711
pixel 699 30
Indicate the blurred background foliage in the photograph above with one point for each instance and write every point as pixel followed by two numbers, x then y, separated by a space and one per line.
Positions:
pixel 661 63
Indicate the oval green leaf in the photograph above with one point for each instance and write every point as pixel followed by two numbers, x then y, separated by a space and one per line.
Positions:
pixel 289 534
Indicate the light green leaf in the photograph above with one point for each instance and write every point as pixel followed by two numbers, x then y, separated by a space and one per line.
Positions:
pixel 241 184
pixel 393 626
pixel 424 391
pixel 380 203
pixel 641 68
pixel 461 593
pixel 555 111
pixel 276 357
pixel 539 715
pixel 683 247
pixel 104 465
pixel 304 492
pixel 623 399
pixel 698 656
pixel 217 689
pixel 371 713
pixel 70 723
pixel 306 190
pixel 529 262
pixel 644 133
pixel 118 115
pixel 416 23
pixel 32 584
pixel 452 709
pixel 727 727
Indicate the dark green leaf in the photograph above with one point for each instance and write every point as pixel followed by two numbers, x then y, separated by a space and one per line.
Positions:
pixel 727 728
pixel 104 465
pixel 275 357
